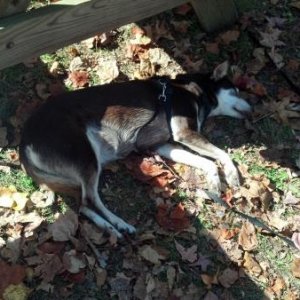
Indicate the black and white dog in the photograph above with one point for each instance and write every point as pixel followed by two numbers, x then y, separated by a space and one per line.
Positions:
pixel 66 142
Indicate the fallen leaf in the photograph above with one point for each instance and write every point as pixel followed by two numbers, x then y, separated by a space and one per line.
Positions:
pixel 16 292
pixel 296 239
pixel 171 274
pixel 49 267
pixel 278 286
pixel 230 36
pixel 76 64
pixel 212 48
pixel 172 218
pixel 296 267
pixel 107 70
pixel 79 78
pixel 295 4
pixel 10 274
pixel 72 262
pixel 42 91
pixel 276 58
pixel 150 254
pixel 188 254
pixel 245 82
pixel 52 247
pixel 64 227
pixel 209 280
pixel 202 262
pixel 101 275
pixel 228 277
pixel 251 265
pixel 10 198
pixel 271 39
pixel 247 237
pixel 211 296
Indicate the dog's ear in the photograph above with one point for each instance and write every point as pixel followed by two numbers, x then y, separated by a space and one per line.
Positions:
pixel 220 71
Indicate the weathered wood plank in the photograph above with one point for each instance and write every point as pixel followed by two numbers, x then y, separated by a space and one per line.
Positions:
pixel 215 14
pixel 10 7
pixel 52 27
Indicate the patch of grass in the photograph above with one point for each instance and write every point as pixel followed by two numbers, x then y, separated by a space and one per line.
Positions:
pixel 274 133
pixel 19 179
pixel 278 176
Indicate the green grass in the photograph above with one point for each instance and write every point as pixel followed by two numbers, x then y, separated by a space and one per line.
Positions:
pixel 278 177
pixel 19 179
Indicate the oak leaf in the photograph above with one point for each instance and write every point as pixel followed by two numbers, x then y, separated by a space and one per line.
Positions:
pixel 187 254
pixel 247 237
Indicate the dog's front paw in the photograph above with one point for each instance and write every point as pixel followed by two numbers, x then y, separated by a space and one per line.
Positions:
pixel 122 226
pixel 232 175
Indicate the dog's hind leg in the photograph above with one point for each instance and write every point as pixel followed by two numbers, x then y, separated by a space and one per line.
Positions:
pixel 90 196
pixel 178 154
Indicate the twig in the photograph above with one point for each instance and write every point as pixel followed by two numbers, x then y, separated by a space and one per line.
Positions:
pixel 98 255
pixel 253 220
pixel 262 117
pixel 11 165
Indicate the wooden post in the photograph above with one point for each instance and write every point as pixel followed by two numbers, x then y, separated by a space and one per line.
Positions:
pixel 215 14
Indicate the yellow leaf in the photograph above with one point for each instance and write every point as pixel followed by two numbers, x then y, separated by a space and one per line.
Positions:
pixel 16 292
pixel 10 198
pixel 5 196
pixel 20 200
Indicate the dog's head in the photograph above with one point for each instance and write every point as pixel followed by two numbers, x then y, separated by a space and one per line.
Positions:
pixel 226 100
pixel 218 94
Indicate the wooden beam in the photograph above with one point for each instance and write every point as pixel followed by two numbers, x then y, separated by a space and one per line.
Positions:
pixel 49 28
pixel 215 14
pixel 8 7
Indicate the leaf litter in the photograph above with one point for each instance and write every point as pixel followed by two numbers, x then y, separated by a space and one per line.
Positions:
pixel 188 246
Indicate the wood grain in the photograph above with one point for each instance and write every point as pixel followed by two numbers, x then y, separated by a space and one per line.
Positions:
pixel 215 14
pixel 47 29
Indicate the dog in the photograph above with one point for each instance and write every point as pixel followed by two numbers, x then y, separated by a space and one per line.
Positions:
pixel 69 139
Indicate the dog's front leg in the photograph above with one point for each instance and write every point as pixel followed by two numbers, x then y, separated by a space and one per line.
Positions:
pixel 202 146
pixel 177 154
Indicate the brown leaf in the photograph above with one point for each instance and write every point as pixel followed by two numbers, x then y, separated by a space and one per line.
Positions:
pixel 151 254
pixel 296 239
pixel 72 262
pixel 278 286
pixel 228 277
pixel 174 219
pixel 295 4
pixel 252 265
pixel 51 265
pixel 79 78
pixel 51 247
pixel 64 227
pixel 188 254
pixel 147 170
pixel 245 82
pixel 271 39
pixel 10 274
pixel 209 280
pixel 101 275
pixel 247 237
pixel 296 267
pixel 230 36
pixel 212 48
pixel 211 296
